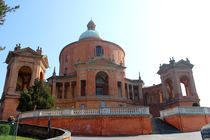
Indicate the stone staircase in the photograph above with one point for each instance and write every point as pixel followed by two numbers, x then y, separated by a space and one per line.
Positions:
pixel 161 127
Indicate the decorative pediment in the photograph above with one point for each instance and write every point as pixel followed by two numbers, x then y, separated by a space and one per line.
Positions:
pixel 183 63
pixel 172 64
pixel 100 61
pixel 25 52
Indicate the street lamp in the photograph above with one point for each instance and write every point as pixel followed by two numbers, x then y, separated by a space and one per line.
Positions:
pixel 49 125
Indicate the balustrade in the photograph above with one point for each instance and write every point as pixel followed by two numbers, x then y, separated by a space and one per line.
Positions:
pixel 185 111
pixel 87 112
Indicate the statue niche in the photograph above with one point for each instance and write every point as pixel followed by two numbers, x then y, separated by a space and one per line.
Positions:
pixel 24 78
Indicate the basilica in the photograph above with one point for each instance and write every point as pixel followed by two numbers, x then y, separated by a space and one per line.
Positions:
pixel 92 75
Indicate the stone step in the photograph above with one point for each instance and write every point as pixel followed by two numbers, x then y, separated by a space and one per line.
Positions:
pixel 161 127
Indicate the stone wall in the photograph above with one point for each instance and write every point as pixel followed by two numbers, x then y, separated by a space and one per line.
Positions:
pixel 187 119
pixel 94 122
pixel 42 132
pixel 98 126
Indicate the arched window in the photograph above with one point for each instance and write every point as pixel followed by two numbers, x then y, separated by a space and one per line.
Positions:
pixel 101 83
pixel 24 78
pixel 184 93
pixel 99 51
pixel 184 83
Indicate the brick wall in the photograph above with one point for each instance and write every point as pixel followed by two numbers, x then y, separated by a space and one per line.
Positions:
pixel 98 125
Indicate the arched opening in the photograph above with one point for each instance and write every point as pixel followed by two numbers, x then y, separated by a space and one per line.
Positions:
pixel 41 76
pixel 195 104
pixel 184 82
pixel 101 83
pixel 169 89
pixel 183 88
pixel 24 78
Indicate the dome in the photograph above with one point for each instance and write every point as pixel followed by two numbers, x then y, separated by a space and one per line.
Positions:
pixel 91 32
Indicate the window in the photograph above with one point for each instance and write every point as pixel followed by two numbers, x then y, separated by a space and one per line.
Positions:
pixel 101 83
pixel 130 92
pixel 82 106
pixel 99 51
pixel 83 87
pixel 59 90
pixel 119 86
pixel 66 90
pixel 73 86
pixel 126 91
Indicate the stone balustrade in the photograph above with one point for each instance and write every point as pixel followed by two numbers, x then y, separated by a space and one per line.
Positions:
pixel 87 112
pixel 185 111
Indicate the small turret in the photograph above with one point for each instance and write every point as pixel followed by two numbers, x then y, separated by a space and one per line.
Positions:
pixel 91 25
pixel 54 73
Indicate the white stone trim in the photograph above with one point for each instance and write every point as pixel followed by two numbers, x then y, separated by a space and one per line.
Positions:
pixel 185 111
pixel 87 112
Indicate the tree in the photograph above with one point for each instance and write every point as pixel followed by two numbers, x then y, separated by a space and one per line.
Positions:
pixel 36 97
pixel 4 8
pixel 2 48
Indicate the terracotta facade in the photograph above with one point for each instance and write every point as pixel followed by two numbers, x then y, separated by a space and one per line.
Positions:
pixel 92 75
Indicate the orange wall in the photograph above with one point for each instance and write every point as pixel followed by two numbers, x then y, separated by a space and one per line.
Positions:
pixel 97 126
pixel 188 123
pixel 9 108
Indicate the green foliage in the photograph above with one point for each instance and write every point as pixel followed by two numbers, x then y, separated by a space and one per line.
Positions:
pixel 17 138
pixel 12 128
pixel 4 8
pixel 36 97
pixel 4 129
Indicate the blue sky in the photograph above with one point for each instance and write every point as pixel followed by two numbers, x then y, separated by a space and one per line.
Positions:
pixel 149 31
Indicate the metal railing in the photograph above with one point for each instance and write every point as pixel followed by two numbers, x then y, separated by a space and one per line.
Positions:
pixel 87 112
pixel 185 111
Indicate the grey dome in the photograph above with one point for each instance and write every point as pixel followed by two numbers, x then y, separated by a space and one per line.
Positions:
pixel 89 33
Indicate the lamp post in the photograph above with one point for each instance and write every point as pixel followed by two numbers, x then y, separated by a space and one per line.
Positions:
pixel 49 125
pixel 16 130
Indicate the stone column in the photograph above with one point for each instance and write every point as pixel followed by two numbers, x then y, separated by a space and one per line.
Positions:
pixel 90 87
pixel 165 94
pixel 141 98
pixel 123 89
pixel 35 71
pixel 12 81
pixel 133 93
pixel 128 91
pixel 112 84
pixel 192 86
pixel 63 89
pixel 77 89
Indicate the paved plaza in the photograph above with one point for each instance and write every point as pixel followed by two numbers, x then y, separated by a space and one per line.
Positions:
pixel 180 136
